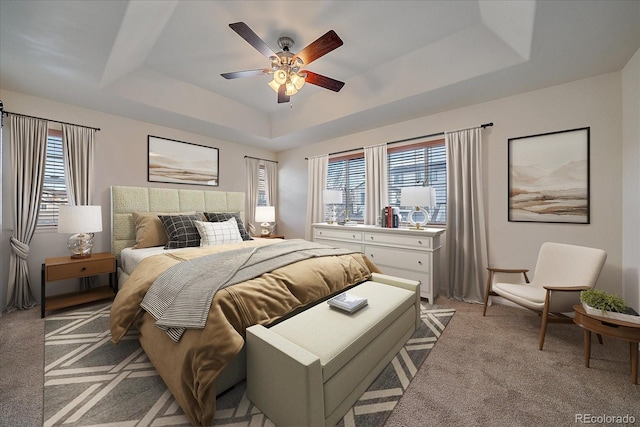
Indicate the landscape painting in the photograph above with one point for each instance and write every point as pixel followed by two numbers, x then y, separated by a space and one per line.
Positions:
pixel 181 162
pixel 549 177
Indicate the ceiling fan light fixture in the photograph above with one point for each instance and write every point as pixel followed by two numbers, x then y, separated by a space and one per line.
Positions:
pixel 298 80
pixel 273 85
pixel 280 77
pixel 290 88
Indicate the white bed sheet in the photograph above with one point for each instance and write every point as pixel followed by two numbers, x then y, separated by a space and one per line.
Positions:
pixel 130 258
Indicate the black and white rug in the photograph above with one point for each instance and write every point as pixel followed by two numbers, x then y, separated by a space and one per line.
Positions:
pixel 88 381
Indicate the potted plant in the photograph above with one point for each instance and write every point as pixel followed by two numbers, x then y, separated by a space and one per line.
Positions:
pixel 601 303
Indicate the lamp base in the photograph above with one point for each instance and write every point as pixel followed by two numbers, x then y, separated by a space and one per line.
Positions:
pixel 418 225
pixel 265 229
pixel 80 245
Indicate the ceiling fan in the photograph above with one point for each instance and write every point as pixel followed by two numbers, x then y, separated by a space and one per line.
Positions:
pixel 288 77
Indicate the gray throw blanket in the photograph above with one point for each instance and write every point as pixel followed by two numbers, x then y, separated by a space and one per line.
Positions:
pixel 181 297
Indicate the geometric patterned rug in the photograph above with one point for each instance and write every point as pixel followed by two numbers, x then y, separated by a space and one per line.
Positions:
pixel 88 381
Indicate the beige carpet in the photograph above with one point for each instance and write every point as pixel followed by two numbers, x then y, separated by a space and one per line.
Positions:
pixel 483 371
pixel 488 371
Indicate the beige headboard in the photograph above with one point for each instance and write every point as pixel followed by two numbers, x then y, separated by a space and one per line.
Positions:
pixel 125 200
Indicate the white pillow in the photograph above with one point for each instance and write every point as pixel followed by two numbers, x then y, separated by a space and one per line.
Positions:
pixel 217 233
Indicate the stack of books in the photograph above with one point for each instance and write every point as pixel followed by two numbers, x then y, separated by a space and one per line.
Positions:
pixel 347 302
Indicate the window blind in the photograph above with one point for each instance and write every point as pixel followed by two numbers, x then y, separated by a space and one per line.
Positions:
pixel 54 192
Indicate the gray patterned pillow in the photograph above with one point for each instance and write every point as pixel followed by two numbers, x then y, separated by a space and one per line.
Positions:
pixel 181 230
pixel 225 216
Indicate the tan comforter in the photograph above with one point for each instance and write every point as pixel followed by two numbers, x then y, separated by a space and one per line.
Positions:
pixel 190 367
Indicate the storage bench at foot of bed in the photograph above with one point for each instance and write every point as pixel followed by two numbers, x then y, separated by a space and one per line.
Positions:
pixel 310 369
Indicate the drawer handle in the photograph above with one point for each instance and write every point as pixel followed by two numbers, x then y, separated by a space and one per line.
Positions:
pixel 353 235
pixel 371 237
pixel 420 262
pixel 370 255
pixel 419 242
pixel 83 268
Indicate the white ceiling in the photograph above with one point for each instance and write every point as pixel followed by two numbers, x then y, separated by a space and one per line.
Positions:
pixel 160 61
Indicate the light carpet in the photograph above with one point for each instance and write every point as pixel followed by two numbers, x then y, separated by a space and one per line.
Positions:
pixel 88 381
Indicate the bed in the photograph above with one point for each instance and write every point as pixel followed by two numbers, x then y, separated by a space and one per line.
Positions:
pixel 205 362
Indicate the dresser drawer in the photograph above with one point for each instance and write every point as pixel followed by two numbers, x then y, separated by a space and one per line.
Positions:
pixel 79 269
pixel 341 233
pixel 352 246
pixel 399 258
pixel 398 240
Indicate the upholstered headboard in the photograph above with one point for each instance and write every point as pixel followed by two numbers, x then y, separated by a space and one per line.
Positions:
pixel 126 200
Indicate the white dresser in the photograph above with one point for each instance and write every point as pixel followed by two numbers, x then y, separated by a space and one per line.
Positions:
pixel 402 252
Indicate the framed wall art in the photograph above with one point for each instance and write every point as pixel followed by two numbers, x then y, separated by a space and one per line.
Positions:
pixel 181 162
pixel 549 177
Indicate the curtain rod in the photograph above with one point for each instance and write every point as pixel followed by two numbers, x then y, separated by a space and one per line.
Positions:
pixel 258 158
pixel 49 120
pixel 410 139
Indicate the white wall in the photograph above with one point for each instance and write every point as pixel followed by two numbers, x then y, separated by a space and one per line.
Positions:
pixel 121 159
pixel 594 102
pixel 631 181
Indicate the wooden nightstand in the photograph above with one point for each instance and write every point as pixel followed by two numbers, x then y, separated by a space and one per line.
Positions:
pixel 270 236
pixel 67 268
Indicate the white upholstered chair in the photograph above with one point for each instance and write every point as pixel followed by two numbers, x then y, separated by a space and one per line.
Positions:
pixel 562 271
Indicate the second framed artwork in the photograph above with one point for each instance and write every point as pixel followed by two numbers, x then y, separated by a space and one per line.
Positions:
pixel 181 162
pixel 549 177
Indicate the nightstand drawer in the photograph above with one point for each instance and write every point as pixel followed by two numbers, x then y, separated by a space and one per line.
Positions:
pixel 79 269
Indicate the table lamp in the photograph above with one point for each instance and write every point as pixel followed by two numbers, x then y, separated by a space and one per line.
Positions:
pixel 265 215
pixel 82 221
pixel 419 197
pixel 331 197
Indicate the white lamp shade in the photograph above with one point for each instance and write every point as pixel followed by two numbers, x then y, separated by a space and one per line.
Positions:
pixel 265 213
pixel 80 219
pixel 418 196
pixel 331 196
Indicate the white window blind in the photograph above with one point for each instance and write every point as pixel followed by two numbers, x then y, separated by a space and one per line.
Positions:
pixel 421 164
pixel 54 192
pixel 262 186
pixel 347 175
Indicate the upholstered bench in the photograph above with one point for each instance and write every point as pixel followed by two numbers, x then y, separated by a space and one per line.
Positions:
pixel 311 368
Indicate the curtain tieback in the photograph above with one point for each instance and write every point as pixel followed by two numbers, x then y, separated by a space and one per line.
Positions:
pixel 19 248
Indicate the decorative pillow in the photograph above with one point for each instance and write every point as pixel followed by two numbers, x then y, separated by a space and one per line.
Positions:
pixel 217 233
pixel 225 216
pixel 181 230
pixel 149 229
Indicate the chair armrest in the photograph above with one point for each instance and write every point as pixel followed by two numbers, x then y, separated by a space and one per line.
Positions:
pixel 566 288
pixel 507 270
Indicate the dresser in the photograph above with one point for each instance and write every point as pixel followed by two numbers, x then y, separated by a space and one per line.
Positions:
pixel 407 253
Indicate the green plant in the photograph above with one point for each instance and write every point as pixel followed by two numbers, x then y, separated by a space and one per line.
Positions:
pixel 603 301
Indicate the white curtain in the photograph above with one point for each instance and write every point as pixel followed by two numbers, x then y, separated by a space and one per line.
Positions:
pixel 466 233
pixel 271 178
pixel 252 167
pixel 376 171
pixel 316 184
pixel 28 159
pixel 78 144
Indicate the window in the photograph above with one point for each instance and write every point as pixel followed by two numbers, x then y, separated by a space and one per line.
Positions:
pixel 347 174
pixel 423 163
pixel 262 186
pixel 419 164
pixel 54 192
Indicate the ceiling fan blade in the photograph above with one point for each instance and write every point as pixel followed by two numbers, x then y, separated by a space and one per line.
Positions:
pixel 247 73
pixel 282 96
pixel 252 38
pixel 323 81
pixel 320 47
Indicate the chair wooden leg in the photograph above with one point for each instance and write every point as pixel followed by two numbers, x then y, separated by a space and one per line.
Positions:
pixel 545 319
pixel 599 339
pixel 486 292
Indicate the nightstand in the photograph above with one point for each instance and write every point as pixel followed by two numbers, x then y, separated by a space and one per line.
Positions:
pixel 67 268
pixel 270 236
